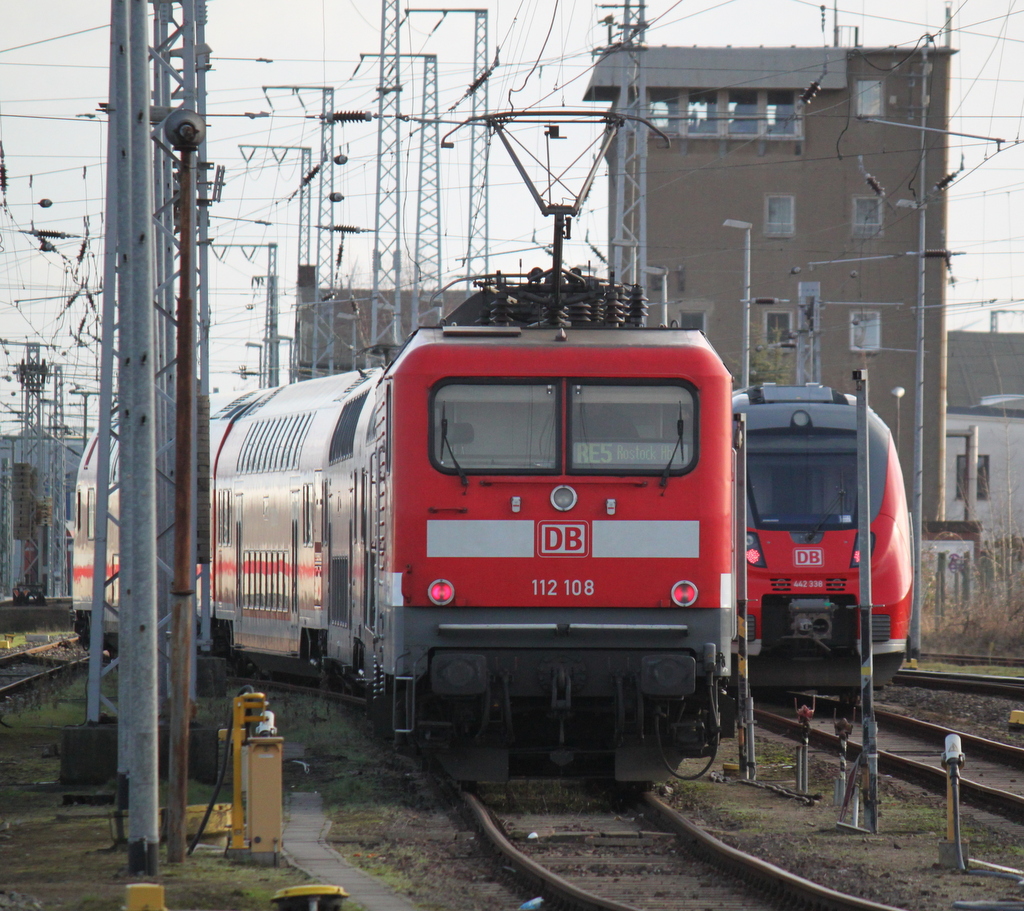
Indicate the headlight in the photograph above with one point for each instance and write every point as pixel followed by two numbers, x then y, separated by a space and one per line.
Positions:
pixel 563 498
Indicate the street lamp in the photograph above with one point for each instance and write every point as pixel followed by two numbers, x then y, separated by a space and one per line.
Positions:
pixel 744 226
pixel 898 392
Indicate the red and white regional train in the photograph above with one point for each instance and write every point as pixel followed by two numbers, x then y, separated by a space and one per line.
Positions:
pixel 803 553
pixel 517 537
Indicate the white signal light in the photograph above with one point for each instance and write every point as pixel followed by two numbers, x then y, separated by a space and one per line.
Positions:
pixel 563 498
pixel 684 593
pixel 441 592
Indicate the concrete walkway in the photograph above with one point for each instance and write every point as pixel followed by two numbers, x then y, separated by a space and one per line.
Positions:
pixel 305 847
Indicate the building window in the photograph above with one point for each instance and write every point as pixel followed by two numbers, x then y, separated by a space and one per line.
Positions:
pixel 742 111
pixel 961 477
pixel 781 113
pixel 778 216
pixel 691 319
pixel 702 112
pixel 865 330
pixel 867 216
pixel 777 326
pixel 869 98
pixel 664 109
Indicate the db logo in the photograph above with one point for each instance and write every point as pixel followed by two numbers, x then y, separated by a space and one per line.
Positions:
pixel 808 556
pixel 558 539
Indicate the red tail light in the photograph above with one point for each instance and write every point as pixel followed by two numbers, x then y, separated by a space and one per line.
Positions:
pixel 684 593
pixel 441 592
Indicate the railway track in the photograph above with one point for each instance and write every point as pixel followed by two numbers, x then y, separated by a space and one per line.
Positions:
pixel 978 684
pixel 652 858
pixel 910 749
pixel 974 660
pixel 24 669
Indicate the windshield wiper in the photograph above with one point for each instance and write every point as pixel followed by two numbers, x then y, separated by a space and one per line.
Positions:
pixel 445 442
pixel 677 448
pixel 839 499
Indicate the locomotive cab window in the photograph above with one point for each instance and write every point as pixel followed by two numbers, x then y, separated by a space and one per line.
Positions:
pixel 631 429
pixel 495 428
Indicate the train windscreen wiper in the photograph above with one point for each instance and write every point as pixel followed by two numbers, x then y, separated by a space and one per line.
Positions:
pixel 838 500
pixel 677 448
pixel 445 442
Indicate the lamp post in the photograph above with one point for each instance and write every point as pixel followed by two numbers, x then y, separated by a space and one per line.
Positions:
pixel 898 392
pixel 744 226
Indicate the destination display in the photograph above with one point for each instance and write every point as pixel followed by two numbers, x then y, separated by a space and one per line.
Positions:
pixel 629 453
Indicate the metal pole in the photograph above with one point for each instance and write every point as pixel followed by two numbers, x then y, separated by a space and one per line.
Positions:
pixel 138 466
pixel 748 762
pixel 744 226
pixel 271 335
pixel 867 669
pixel 914 650
pixel 746 308
pixel 971 475
pixel 183 585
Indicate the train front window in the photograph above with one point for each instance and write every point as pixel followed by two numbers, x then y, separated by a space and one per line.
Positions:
pixel 631 429
pixel 495 427
pixel 805 484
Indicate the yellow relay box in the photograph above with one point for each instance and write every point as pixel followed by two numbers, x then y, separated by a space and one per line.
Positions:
pixel 263 794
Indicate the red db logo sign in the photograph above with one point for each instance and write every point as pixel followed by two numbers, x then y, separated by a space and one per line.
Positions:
pixel 808 556
pixel 561 539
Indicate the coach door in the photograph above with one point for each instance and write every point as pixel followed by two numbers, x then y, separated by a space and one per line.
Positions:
pixel 239 558
pixel 294 587
pixel 318 539
pixel 370 540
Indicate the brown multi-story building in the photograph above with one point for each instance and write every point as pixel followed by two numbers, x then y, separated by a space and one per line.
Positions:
pixel 819 151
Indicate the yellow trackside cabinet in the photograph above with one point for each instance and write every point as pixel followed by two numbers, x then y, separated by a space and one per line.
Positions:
pixel 263 796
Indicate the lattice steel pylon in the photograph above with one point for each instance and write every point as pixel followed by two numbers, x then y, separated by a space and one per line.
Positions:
pixel 385 318
pixel 426 257
pixel 427 248
pixel 323 356
pixel 304 192
pixel 178 58
pixel 54 486
pixel 33 373
pixel 478 244
pixel 629 177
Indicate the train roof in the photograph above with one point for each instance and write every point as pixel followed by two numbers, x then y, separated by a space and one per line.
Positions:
pixel 488 345
pixel 305 396
pixel 772 406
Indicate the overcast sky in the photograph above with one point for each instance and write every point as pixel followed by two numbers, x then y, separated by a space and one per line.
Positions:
pixel 53 76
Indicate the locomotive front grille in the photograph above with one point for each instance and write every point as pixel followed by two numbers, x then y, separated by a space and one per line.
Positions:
pixel 881 627
pixel 782 585
pixel 835 585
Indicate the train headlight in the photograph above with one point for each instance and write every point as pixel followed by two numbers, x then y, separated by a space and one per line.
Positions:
pixel 458 674
pixel 684 593
pixel 755 556
pixel 855 558
pixel 801 419
pixel 441 592
pixel 563 498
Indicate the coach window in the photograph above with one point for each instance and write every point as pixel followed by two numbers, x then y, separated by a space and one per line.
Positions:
pixel 631 429
pixel 495 427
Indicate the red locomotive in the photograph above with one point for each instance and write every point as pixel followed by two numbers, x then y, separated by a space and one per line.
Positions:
pixel 516 540
pixel 803 553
